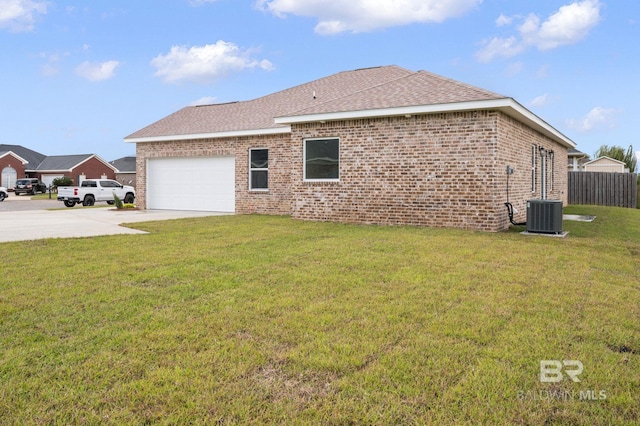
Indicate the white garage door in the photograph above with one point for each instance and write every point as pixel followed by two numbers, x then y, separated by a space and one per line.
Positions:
pixel 191 183
pixel 48 179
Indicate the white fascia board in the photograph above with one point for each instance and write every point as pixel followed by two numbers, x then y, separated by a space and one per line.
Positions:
pixel 217 135
pixel 22 160
pixel 506 105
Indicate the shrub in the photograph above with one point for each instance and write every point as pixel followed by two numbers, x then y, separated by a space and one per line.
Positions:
pixel 62 181
pixel 118 201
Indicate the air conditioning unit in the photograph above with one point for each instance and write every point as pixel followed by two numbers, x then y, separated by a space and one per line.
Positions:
pixel 544 216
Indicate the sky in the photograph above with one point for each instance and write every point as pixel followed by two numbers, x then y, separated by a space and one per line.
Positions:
pixel 77 77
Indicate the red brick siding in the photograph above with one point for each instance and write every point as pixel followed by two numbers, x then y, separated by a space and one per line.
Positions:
pixel 13 162
pixel 92 169
pixel 277 200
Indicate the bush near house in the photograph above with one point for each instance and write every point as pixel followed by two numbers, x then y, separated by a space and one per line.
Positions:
pixel 62 181
pixel 267 320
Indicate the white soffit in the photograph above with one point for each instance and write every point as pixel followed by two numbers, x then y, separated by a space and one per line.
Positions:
pixel 215 135
pixel 506 105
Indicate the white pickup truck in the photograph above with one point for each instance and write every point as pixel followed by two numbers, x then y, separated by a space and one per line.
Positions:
pixel 92 190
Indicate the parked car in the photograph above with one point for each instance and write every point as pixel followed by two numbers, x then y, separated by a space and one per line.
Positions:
pixel 3 193
pixel 92 190
pixel 29 186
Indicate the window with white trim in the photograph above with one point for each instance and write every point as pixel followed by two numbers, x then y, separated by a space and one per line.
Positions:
pixel 259 169
pixel 321 159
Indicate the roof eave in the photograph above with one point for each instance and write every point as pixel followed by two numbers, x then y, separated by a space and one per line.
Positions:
pixel 213 135
pixel 506 105
pixel 16 156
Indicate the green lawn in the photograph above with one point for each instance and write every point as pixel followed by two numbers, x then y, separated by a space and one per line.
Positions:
pixel 260 319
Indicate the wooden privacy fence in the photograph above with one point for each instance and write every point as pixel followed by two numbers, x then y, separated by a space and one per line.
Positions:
pixel 603 189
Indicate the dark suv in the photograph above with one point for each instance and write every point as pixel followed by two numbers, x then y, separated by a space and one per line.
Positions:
pixel 29 186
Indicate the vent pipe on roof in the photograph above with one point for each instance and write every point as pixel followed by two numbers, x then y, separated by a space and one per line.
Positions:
pixel 314 94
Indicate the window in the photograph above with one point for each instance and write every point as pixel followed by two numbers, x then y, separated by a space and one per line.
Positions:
pixel 322 159
pixel 534 153
pixel 258 169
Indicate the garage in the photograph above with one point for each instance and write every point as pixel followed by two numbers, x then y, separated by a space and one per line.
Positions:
pixel 191 183
pixel 48 179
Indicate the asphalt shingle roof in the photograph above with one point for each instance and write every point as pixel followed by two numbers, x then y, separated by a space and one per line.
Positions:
pixel 363 89
pixel 34 158
pixel 62 162
pixel 125 164
pixel 419 88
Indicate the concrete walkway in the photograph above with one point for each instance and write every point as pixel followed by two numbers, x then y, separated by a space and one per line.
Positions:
pixel 80 222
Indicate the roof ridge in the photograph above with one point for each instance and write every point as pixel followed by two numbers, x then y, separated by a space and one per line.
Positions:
pixel 346 95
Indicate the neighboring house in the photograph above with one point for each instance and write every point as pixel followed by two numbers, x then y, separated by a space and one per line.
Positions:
pixel 17 162
pixel 126 170
pixel 576 160
pixel 77 167
pixel 379 145
pixel 605 164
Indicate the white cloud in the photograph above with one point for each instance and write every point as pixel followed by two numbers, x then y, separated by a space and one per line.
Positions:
pixel 336 16
pixel 504 20
pixel 205 64
pixel 505 47
pixel 19 15
pixel 570 24
pixel 97 71
pixel 541 100
pixel 206 100
pixel 200 2
pixel 597 118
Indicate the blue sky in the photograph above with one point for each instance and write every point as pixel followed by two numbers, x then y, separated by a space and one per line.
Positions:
pixel 77 77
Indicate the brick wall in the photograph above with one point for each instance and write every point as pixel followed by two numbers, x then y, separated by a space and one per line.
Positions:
pixel 515 149
pixel 438 170
pixel 9 161
pixel 92 169
pixel 277 200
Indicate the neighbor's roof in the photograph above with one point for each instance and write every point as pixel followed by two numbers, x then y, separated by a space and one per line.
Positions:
pixel 369 92
pixel 60 163
pixel 32 157
pixel 606 160
pixel 125 164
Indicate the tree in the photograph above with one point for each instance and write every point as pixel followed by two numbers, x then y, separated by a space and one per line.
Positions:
pixel 617 153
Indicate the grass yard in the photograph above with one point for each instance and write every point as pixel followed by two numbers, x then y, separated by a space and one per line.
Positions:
pixel 259 319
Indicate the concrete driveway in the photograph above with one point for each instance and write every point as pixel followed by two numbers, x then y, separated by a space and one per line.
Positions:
pixel 33 224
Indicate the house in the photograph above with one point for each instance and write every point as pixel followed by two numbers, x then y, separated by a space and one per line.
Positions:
pixel 605 164
pixel 126 170
pixel 381 145
pixel 576 160
pixel 17 162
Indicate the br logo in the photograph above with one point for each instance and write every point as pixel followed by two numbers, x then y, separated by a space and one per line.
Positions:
pixel 551 370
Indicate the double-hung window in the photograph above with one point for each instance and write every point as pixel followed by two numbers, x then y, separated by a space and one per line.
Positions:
pixel 322 159
pixel 259 169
